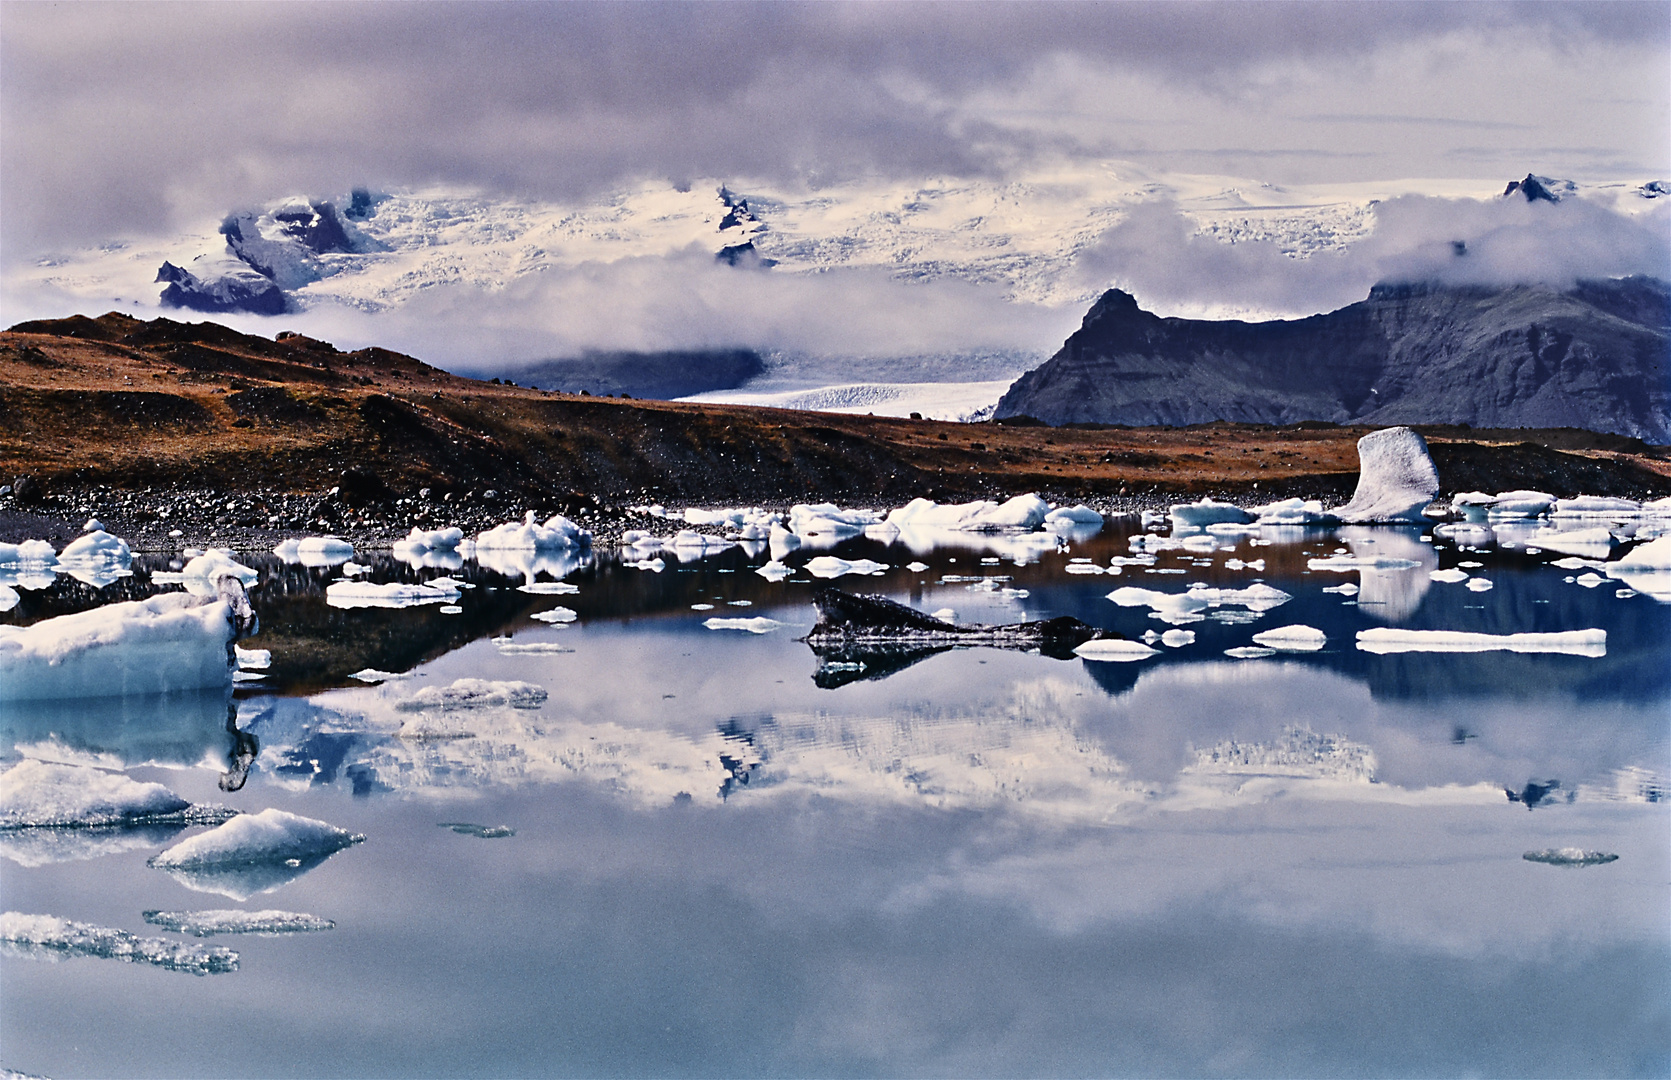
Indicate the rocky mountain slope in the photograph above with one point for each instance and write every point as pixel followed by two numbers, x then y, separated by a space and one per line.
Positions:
pixel 1597 356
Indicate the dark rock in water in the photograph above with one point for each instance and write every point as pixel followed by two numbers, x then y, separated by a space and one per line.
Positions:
pixel 660 375
pixel 860 636
pixel 1594 357
pixel 247 292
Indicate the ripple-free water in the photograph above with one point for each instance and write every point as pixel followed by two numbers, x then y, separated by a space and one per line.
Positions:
pixel 707 853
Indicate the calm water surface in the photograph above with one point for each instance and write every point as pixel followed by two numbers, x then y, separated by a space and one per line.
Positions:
pixel 731 858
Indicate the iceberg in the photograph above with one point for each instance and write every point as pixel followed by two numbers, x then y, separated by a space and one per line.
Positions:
pixel 773 571
pixel 1250 652
pixel 557 532
pixel 1452 576
pixel 421 540
pixel 221 921
pixel 825 521
pixel 315 550
pixel 28 553
pixel 253 853
pixel 1596 506
pixel 1293 512
pixel 548 588
pixel 1296 638
pixel 1114 650
pixel 1396 478
pixel 173 641
pixel 475 694
pixel 1520 504
pixel 1570 856
pixel 1347 563
pixel 757 625
pixel 1591 643
pixel 828 566
pixel 393 594
pixel 201 576
pixel 1072 516
pixel 50 937
pixel 39 794
pixel 1596 543
pixel 1176 639
pixel 1655 555
pixel 556 615
pixel 96 547
pixel 1198 515
pixel 9 597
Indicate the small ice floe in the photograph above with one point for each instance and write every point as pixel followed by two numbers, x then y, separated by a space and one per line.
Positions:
pixel 480 832
pixel 916 567
pixel 739 603
pixel 201 575
pixel 825 521
pixel 1292 512
pixel 1186 607
pixel 1472 505
pixel 1596 506
pixel 1597 543
pixel 1396 478
pixel 1572 562
pixel 1509 505
pixel 1570 856
pixel 172 641
pixel 757 625
pixel 828 566
pixel 655 566
pixel 48 937
pixel 421 540
pixel 1451 576
pixel 1479 584
pixel 1249 652
pixel 1296 638
pixel 1022 514
pixel 1114 650
pixel 1590 581
pixel 28 553
pixel 315 550
pixel 1084 568
pixel 231 921
pixel 1177 639
pixel 507 647
pixel 372 675
pixel 40 794
pixel 252 659
pixel 393 594
pixel 688 543
pixel 702 607
pixel 253 853
pixel 1347 589
pixel 556 615
pixel 1198 515
pixel 474 694
pixel 1386 639
pixel 773 571
pixel 9 597
pixel 1344 564
pixel 1470 535
pixel 96 547
pixel 354 569
pixel 557 532
pixel 1257 565
pixel 549 588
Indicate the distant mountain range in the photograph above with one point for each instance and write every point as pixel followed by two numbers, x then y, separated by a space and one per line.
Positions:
pixel 1597 356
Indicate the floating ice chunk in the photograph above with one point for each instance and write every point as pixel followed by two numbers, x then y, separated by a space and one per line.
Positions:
pixel 702 607
pixel 242 676
pixel 1591 643
pixel 548 588
pixel 253 853
pixel 827 520
pixel 1479 584
pixel 1023 512
pixel 1084 568
pixel 740 603
pixel 690 540
pixel 1115 650
pixel 1292 512
pixel 39 794
pixel 353 569
pixel 1178 603
pixel 1079 514
pixel 1452 576
pixel 1200 543
pixel 1597 542
pixel 828 566
pixel 393 594
pixel 507 647
pixel 316 551
pixel 93 525
pixel 474 694
pixel 1256 597
pixel 262 923
pixel 1347 563
pixel 916 567
pixel 781 542
pixel 653 565
pixel 1225 529
pixel 1570 856
pixel 50 937
pixel 450 609
pixel 1198 515
pixel 253 659
pixel 773 571
pixel 1573 562
pixel 1176 639
pixel 1585 506
pixel 1520 504
pixel 432 540
pixel 28 553
pixel 1473 505
pixel 556 615
pixel 172 641
pixel 757 625
pixel 1396 478
pixel 1296 638
pixel 1590 581
pixel 372 675
pixel 1249 652
pixel 1473 535
pixel 1653 555
pixel 558 532
pixel 97 546
pixel 480 832
pixel 9 597
pixel 1347 589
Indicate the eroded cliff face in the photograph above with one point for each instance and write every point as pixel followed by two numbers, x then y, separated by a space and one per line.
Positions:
pixel 1595 356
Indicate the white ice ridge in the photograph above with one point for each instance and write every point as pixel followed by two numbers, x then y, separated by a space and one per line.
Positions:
pixel 394 594
pixel 272 836
pixel 49 937
pixel 474 694
pixel 232 921
pixel 1296 638
pixel 828 566
pixel 173 641
pixel 1117 650
pixel 1591 643
pixel 39 794
pixel 315 550
pixel 1396 478
pixel 1021 514
pixel 757 625
pixel 557 532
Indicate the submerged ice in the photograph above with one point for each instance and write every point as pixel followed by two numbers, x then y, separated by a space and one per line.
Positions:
pixel 49 937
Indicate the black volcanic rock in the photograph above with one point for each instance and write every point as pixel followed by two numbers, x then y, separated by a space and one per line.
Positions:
pixel 1593 357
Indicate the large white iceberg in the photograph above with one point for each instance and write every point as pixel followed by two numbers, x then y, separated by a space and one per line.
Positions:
pixel 1396 478
pixel 1072 517
pixel 1646 568
pixel 201 576
pixel 1022 513
pixel 826 522
pixel 1116 650
pixel 40 794
pixel 50 937
pixel 173 641
pixel 1386 639
pixel 557 532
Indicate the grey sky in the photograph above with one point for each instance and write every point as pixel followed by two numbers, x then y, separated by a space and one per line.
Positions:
pixel 134 118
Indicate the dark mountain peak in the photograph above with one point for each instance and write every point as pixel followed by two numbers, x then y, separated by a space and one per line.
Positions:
pixel 1541 188
pixel 1115 304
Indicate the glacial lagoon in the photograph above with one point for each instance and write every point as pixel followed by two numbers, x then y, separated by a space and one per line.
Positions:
pixel 708 850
